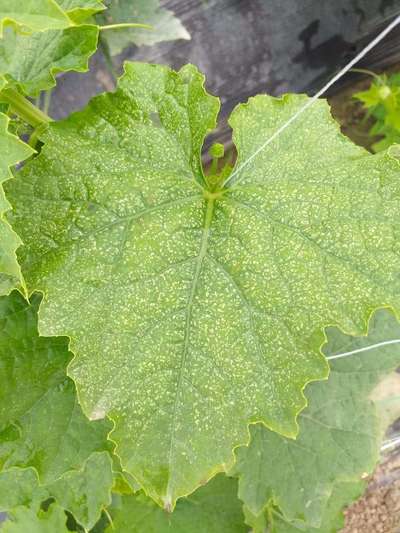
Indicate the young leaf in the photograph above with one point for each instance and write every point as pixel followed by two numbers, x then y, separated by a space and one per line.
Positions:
pixel 12 151
pixel 38 15
pixel 24 519
pixel 87 492
pixel 32 61
pixel 37 399
pixel 164 25
pixel 213 508
pixel 340 432
pixel 193 308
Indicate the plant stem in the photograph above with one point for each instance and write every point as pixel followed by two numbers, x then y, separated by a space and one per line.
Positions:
pixel 123 25
pixel 47 101
pixel 22 107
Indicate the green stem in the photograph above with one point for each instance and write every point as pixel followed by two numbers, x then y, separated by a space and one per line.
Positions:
pixel 22 107
pixel 125 25
pixel 47 101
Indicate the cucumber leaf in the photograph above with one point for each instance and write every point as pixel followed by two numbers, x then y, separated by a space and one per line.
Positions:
pixel 195 309
pixel 213 508
pixel 12 151
pixel 333 519
pixel 24 519
pixel 340 431
pixel 80 10
pixel 164 25
pixel 85 493
pixel 32 61
pixel 32 15
pixel 37 399
pixel 20 487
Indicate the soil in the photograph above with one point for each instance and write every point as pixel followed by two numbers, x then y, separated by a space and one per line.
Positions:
pixel 378 511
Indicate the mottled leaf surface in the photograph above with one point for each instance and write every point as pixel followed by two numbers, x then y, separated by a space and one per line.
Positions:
pixel 164 25
pixel 42 425
pixel 213 508
pixel 24 519
pixel 194 311
pixel 12 151
pixel 32 61
pixel 32 15
pixel 340 432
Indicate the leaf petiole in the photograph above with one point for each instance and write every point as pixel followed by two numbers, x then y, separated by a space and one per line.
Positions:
pixel 123 25
pixel 22 107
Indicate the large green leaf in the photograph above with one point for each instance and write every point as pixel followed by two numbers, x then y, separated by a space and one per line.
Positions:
pixel 25 519
pixel 32 15
pixel 194 311
pixel 12 151
pixel 42 425
pixel 164 25
pixel 32 61
pixel 340 432
pixel 212 509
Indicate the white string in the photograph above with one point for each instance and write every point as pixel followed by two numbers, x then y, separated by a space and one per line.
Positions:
pixel 392 443
pixel 335 78
pixel 365 349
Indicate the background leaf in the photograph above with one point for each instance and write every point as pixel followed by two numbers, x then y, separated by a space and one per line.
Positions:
pixel 23 519
pixel 32 61
pixel 165 26
pixel 340 431
pixel 37 399
pixel 12 151
pixel 26 15
pixel 332 520
pixel 213 508
pixel 80 10
pixel 85 492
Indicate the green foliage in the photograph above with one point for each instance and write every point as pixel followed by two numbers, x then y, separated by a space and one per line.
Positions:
pixel 212 509
pixel 12 151
pixel 28 16
pixel 188 310
pixel 186 295
pixel 164 25
pixel 23 519
pixel 340 432
pixel 382 100
pixel 31 61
